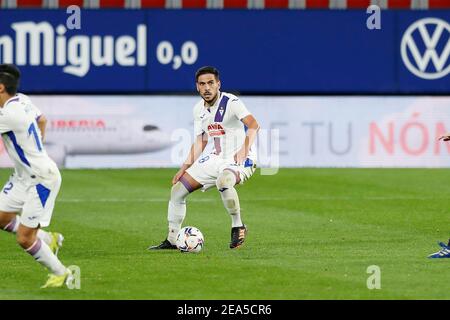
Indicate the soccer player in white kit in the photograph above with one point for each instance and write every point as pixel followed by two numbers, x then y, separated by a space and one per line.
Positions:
pixel 224 119
pixel 28 198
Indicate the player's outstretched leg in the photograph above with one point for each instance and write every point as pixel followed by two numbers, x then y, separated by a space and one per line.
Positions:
pixel 225 184
pixel 10 223
pixel 175 215
pixel 40 251
pixel 443 253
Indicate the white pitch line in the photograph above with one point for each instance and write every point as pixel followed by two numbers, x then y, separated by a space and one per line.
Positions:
pixel 74 200
pixel 127 200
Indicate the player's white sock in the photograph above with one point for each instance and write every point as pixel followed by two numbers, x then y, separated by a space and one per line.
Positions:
pixel 42 253
pixel 177 210
pixel 12 226
pixel 44 235
pixel 231 202
pixel 225 184
pixel 41 234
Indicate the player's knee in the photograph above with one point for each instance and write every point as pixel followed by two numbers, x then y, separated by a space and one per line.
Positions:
pixel 178 193
pixel 226 180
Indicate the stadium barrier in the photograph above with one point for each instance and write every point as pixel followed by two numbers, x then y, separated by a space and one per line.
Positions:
pixel 158 51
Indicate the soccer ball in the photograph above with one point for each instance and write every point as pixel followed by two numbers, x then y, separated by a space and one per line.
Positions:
pixel 190 239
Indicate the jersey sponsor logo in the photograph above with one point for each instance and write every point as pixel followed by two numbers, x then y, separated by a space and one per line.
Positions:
pixel 425 48
pixel 215 129
pixel 75 54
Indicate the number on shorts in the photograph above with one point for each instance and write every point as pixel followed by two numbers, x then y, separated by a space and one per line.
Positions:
pixel 8 187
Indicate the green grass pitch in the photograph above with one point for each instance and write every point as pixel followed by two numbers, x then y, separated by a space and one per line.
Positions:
pixel 312 235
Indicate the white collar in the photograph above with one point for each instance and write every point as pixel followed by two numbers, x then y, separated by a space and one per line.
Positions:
pixel 10 99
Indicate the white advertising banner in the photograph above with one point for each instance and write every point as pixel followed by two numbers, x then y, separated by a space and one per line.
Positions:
pixel 156 131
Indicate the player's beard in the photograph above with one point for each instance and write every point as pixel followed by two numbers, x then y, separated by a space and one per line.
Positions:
pixel 211 100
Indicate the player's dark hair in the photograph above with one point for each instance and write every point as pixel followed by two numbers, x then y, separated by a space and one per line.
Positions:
pixel 9 77
pixel 207 70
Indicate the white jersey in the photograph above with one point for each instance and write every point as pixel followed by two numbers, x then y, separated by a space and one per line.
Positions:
pixel 22 138
pixel 222 123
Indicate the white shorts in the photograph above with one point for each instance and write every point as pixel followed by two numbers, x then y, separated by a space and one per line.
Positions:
pixel 207 169
pixel 34 200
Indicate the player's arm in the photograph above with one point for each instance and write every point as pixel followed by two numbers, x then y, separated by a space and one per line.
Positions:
pixel 196 150
pixel 252 130
pixel 445 137
pixel 42 124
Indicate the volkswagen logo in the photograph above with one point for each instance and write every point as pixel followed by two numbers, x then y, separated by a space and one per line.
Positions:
pixel 425 48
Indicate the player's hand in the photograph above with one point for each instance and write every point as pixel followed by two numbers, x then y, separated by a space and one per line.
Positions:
pixel 445 137
pixel 240 156
pixel 178 175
